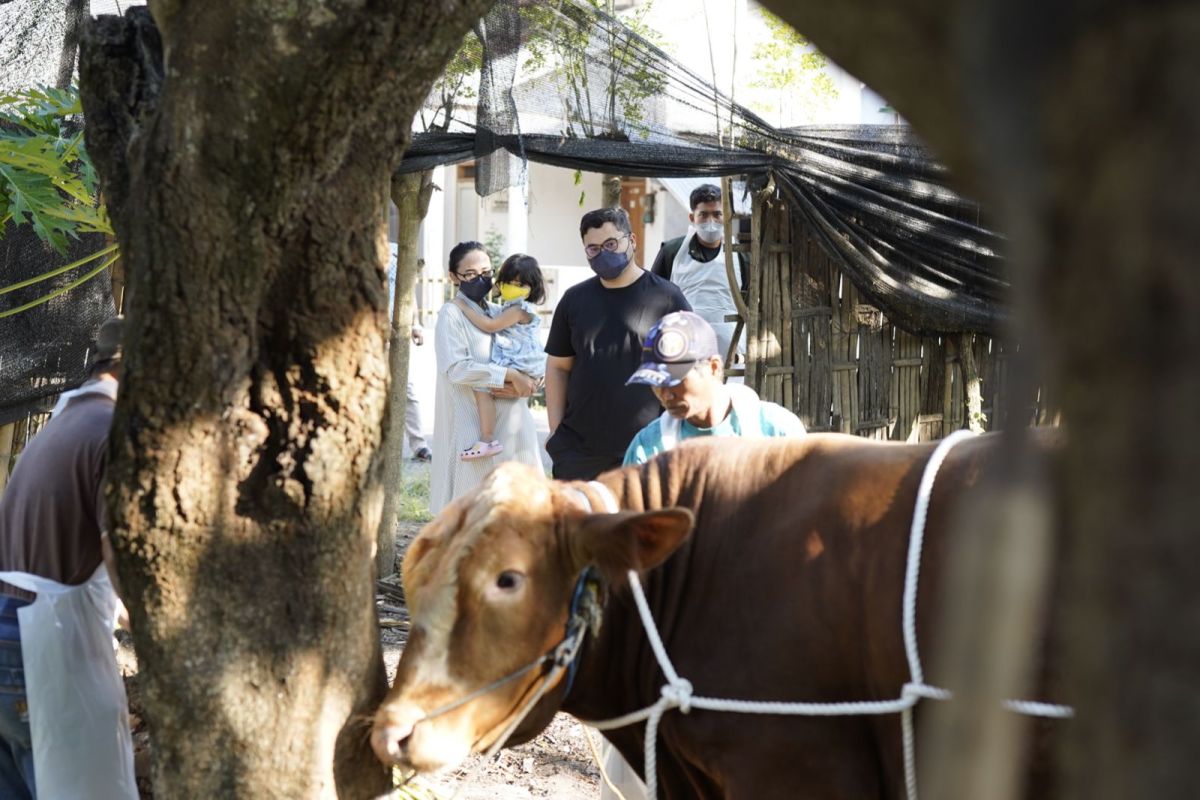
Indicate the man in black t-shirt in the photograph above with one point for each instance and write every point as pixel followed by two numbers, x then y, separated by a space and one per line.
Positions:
pixel 595 344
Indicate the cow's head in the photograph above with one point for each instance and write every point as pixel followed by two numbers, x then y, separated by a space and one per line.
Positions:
pixel 488 584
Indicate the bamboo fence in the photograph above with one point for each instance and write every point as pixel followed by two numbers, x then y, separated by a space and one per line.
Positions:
pixel 817 347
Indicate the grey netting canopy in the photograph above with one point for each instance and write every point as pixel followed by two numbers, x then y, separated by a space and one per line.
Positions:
pixel 564 83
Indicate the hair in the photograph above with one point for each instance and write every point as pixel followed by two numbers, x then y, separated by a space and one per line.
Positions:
pixel 705 193
pixel 524 269
pixel 597 218
pixel 461 251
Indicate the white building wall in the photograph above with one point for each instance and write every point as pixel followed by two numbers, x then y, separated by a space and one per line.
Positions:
pixel 554 212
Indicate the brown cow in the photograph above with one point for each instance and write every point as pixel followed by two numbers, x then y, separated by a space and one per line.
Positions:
pixel 788 589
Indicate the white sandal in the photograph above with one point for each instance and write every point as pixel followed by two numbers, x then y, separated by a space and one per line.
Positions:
pixel 481 449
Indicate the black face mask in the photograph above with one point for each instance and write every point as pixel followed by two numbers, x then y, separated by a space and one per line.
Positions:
pixel 477 288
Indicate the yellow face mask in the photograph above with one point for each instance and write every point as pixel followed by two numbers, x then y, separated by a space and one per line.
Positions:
pixel 513 291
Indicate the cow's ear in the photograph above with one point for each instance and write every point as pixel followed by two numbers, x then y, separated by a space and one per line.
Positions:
pixel 442 527
pixel 628 540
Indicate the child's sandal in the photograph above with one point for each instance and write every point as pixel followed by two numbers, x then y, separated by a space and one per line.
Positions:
pixel 481 449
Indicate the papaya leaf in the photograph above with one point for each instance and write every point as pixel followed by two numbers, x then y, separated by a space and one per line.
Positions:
pixel 47 180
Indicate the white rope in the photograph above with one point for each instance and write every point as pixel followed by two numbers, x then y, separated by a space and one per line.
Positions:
pixel 1032 709
pixel 678 692
pixel 912 577
pixel 916 540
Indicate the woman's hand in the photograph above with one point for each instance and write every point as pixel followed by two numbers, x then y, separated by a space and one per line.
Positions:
pixel 516 384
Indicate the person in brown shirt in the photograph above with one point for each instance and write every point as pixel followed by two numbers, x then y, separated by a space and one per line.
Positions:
pixel 52 524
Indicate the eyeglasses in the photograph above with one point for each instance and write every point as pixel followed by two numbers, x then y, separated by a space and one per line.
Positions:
pixel 472 275
pixel 610 245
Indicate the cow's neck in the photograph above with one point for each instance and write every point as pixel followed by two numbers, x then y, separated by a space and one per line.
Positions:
pixel 617 670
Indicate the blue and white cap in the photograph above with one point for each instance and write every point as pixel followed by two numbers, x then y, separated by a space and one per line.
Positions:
pixel 672 347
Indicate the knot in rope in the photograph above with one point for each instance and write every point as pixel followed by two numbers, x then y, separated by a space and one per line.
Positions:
pixel 678 693
pixel 915 691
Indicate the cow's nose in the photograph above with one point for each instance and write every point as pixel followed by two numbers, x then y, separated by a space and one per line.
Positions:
pixel 391 742
pixel 392 731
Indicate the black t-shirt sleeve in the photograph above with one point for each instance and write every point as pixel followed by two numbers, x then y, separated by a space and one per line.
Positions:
pixel 558 341
pixel 681 303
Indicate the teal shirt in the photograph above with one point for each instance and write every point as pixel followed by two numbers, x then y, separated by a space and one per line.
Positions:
pixel 775 420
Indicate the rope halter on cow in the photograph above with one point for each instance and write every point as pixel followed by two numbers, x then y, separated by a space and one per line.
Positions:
pixel 584 614
pixel 677 692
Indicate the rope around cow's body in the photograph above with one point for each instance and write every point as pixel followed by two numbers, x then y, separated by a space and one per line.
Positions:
pixel 678 692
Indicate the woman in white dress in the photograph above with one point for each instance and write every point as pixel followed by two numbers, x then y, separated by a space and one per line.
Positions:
pixel 464 366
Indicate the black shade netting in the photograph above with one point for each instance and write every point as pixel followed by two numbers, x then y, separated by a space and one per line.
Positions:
pixel 564 83
pixel 44 349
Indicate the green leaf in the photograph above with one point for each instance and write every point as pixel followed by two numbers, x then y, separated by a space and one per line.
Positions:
pixel 46 178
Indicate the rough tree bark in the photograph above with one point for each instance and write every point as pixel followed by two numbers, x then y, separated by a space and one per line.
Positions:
pixel 247 181
pixel 76 13
pixel 411 192
pixel 1077 124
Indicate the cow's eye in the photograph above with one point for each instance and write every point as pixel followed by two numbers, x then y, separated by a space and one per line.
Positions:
pixel 509 580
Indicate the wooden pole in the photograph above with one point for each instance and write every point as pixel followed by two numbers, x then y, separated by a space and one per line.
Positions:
pixel 753 345
pixel 6 452
pixel 972 385
pixel 730 240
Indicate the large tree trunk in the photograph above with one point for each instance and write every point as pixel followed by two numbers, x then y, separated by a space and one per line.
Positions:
pixel 411 192
pixel 1077 124
pixel 247 182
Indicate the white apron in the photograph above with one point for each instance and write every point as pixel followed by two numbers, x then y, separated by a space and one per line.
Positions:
pixel 706 287
pixel 78 713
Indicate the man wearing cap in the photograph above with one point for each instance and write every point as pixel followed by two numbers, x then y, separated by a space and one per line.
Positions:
pixel 63 723
pixel 682 366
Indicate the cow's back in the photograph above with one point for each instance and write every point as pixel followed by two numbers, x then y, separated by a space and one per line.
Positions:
pixel 790 587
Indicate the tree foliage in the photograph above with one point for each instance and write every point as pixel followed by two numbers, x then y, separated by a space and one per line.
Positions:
pixel 456 83
pixel 565 47
pixel 792 71
pixel 46 177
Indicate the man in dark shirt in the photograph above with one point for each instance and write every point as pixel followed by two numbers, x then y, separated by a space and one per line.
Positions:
pixel 52 525
pixel 595 344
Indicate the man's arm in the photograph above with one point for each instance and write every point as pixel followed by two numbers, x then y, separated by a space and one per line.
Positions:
pixel 558 371
pixel 681 303
pixel 660 267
